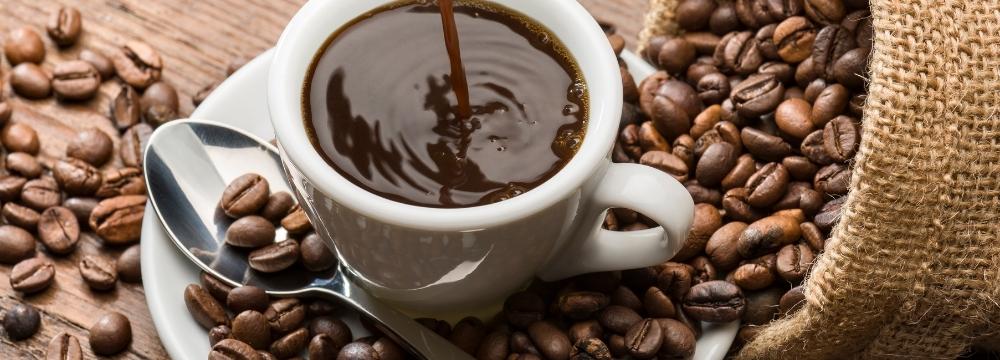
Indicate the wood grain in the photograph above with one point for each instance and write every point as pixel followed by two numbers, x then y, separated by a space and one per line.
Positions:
pixel 198 39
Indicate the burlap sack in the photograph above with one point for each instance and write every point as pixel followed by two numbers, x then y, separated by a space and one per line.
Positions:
pixel 913 269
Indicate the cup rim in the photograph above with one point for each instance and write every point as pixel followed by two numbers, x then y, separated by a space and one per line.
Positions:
pixel 297 47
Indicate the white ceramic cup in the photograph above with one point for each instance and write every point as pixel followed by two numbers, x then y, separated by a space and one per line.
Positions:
pixel 433 260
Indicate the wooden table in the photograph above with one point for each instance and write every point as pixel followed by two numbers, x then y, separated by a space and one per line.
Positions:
pixel 197 39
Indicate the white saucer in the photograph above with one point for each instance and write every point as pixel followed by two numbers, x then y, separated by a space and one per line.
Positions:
pixel 241 101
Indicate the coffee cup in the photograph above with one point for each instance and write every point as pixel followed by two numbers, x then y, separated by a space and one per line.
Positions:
pixel 444 260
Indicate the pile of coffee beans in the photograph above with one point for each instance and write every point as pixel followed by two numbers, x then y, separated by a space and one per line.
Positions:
pixel 52 202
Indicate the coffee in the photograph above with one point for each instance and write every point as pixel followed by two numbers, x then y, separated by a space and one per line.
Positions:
pixel 382 110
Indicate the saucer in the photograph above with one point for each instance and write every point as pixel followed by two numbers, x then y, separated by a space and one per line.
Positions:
pixel 241 101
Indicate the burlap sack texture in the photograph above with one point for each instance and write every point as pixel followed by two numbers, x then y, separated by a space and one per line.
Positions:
pixel 913 269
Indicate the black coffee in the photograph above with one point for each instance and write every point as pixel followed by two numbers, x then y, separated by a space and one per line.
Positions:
pixel 382 111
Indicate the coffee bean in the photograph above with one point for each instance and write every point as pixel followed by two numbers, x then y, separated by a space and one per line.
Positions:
pixel 764 146
pixel 122 181
pixel 126 111
pixel 251 328
pixel 792 300
pixel 100 62
pixel 765 41
pixel 830 103
pixel 722 247
pixel 650 139
pixel 713 88
pixel 30 81
pixel 219 333
pixel 495 346
pixel 762 306
pixel 616 346
pixel 707 220
pixel 357 351
pixel 715 163
pixel 829 214
pixel 644 339
pixel 32 275
pixel 767 235
pixel 703 195
pixel 215 287
pixel 755 274
pixel 706 120
pixel 231 349
pixel 275 257
pixel 92 146
pixel 23 164
pixel 77 177
pixel 247 297
pixel 581 304
pixel 81 208
pixel 767 185
pixel 841 138
pixel 813 148
pixel 129 266
pixel 739 52
pixel 468 334
pixel 134 141
pixel 683 148
pixel 628 137
pixel 673 107
pixel 550 340
pixel 23 45
pixel 285 315
pixel 118 220
pixel 159 103
pixel 64 346
pixel 250 232
pixel 20 216
pixel 815 88
pixel 19 137
pixel 794 261
pixel 99 273
pixel 737 206
pixel 623 296
pixel 676 54
pixel 783 72
pixel 666 162
pixel 138 64
pixel 740 173
pixel 793 118
pixel 523 308
pixel 338 333
pixel 703 270
pixel 59 230
pixel 111 334
pixel 678 340
pixel 794 38
pixel 296 222
pixel 617 43
pixel 584 330
pixel 75 80
pixel 6 111
pixel 833 179
pixel 704 42
pixel 245 195
pixel 290 345
pixel 322 347
pixel 205 309
pixel 316 255
pixel 831 43
pixel 16 244
pixel 813 236
pixel 693 15
pixel 851 68
pixel 824 11
pixel 277 206
pixel 715 301
pixel 21 322
pixel 10 187
pixel 618 319
pixel 65 26
pixel 759 94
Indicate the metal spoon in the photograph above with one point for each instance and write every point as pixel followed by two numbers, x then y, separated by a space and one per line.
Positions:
pixel 188 163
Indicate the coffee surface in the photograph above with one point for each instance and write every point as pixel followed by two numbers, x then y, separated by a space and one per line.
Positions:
pixel 381 110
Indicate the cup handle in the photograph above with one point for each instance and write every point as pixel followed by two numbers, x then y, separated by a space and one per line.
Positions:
pixel 641 188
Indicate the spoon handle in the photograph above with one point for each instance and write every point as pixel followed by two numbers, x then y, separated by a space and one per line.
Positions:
pixel 417 338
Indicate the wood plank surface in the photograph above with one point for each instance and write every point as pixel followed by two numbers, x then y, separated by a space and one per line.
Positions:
pixel 198 39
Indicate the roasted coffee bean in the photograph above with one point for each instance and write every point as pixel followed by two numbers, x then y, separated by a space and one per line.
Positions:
pixel 102 63
pixel 765 41
pixel 723 20
pixel 251 327
pixel 649 89
pixel 618 319
pixel 737 206
pixel 590 349
pixel 624 296
pixel 16 244
pixel 138 64
pixel 21 322
pixel 767 185
pixel 715 301
pixel 617 347
pixel 250 232
pixel 585 330
pixel 794 261
pixel 126 111
pixel 830 103
pixel 629 140
pixel 722 247
pixel 20 216
pixel 831 43
pixel 77 177
pixel 247 297
pixel 678 340
pixel 65 26
pixel 841 138
pixel 215 287
pixel 767 235
pixel 707 220
pixel 617 43
pixel 41 193
pixel 813 148
pixel 32 275
pixel 159 103
pixel 764 146
pixel 829 214
pixel 277 206
pixel 285 315
pixel 129 265
pixel 644 339
pixel 706 120
pixel 19 137
pixel 666 162
pixel 550 340
pixel 231 349
pixel 334 328
pixel 703 270
pixel 762 306
pixel 357 351
pixel 739 52
pixel 699 70
pixel 523 308
pixel 851 68
pixel 296 222
pixel 703 195
pixel 24 165
pixel 316 255
pixel 92 146
pixel 741 172
pixel 219 333
pixel 59 230
pixel 759 94
pixel 683 148
pixel 134 141
pixel 713 88
pixel 693 15
pixel 111 334
pixel 856 107
pixel 706 140
pixel 657 304
pixel 756 274
pixel 674 278
pixel 23 45
pixel 704 42
pixel 275 257
pixel 792 300
pixel 813 236
pixel 650 139
pixel 781 71
pixel 800 167
pixel 825 12
pixel 322 347
pixel 495 346
pixel 30 81
pixel 581 304
pixel 204 308
pixel 292 344
pixel 118 220
pixel 469 333
pixel 715 163
pixel 793 118
pixel 122 181
pixel 794 39
pixel 673 107
pixel 75 80
pixel 10 187
pixel 99 273
pixel 676 54
pixel 806 72
pixel 81 208
pixel 813 90
pixel 64 346
pixel 833 179
pixel 6 111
